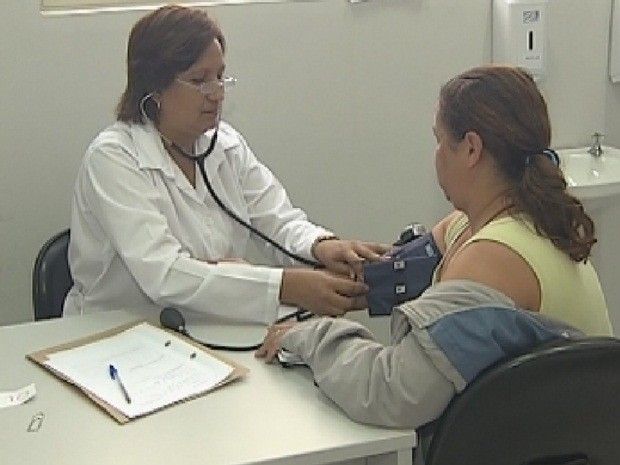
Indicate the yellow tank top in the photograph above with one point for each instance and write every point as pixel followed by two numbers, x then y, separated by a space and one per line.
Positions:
pixel 570 291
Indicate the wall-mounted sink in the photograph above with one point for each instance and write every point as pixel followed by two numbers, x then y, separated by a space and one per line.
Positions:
pixel 596 182
pixel 591 177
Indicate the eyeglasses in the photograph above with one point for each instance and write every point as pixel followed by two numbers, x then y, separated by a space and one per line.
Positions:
pixel 213 87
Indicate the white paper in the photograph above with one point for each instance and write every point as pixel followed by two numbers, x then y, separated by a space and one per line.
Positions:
pixel 156 368
pixel 12 398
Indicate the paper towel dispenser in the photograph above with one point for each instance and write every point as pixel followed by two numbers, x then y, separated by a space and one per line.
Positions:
pixel 614 49
pixel 520 34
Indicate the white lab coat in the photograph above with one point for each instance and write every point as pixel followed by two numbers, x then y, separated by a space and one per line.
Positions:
pixel 141 235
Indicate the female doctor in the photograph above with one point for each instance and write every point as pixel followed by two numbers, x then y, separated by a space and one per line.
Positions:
pixel 146 229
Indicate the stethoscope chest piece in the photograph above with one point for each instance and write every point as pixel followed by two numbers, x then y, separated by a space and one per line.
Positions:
pixel 172 319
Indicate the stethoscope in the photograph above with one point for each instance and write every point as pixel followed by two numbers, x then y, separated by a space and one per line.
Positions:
pixel 171 317
pixel 200 160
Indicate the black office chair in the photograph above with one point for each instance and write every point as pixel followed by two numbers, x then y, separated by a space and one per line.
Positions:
pixel 559 404
pixel 51 278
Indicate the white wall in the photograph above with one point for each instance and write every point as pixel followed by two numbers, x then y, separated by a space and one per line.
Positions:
pixel 612 132
pixel 337 99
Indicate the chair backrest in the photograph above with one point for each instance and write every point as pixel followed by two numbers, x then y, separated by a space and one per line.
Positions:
pixel 557 405
pixel 51 278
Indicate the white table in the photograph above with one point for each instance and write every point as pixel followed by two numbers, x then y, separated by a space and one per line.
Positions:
pixel 272 416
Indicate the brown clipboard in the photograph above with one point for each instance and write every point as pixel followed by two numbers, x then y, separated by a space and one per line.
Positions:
pixel 41 356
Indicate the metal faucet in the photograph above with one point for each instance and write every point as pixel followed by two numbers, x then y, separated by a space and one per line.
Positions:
pixel 596 150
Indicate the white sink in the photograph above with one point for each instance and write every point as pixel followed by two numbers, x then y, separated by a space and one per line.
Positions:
pixel 589 177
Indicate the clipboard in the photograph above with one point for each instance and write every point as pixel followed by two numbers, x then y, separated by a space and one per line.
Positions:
pixel 42 356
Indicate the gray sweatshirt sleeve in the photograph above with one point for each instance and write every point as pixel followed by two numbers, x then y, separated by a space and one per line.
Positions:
pixel 395 386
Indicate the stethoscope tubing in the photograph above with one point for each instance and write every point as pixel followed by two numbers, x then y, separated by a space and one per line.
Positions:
pixel 200 160
pixel 299 315
pixel 201 166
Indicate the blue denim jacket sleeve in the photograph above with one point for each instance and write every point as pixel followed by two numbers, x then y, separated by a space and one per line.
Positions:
pixel 473 339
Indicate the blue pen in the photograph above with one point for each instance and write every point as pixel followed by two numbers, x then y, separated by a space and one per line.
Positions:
pixel 115 376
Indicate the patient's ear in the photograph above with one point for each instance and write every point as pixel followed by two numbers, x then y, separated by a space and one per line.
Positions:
pixel 473 146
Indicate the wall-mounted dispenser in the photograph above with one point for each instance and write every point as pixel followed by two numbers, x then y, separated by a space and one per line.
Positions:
pixel 614 49
pixel 520 34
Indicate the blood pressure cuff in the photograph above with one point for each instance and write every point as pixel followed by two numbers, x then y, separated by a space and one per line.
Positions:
pixel 404 277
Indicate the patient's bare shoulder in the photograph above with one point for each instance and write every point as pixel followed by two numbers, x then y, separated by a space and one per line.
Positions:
pixel 498 266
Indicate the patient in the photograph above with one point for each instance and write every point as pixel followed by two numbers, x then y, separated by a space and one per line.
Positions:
pixel 515 271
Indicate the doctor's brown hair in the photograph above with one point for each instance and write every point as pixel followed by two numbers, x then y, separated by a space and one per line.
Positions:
pixel 505 108
pixel 161 45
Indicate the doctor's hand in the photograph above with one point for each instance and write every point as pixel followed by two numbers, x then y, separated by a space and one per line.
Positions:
pixel 322 292
pixel 273 341
pixel 347 256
